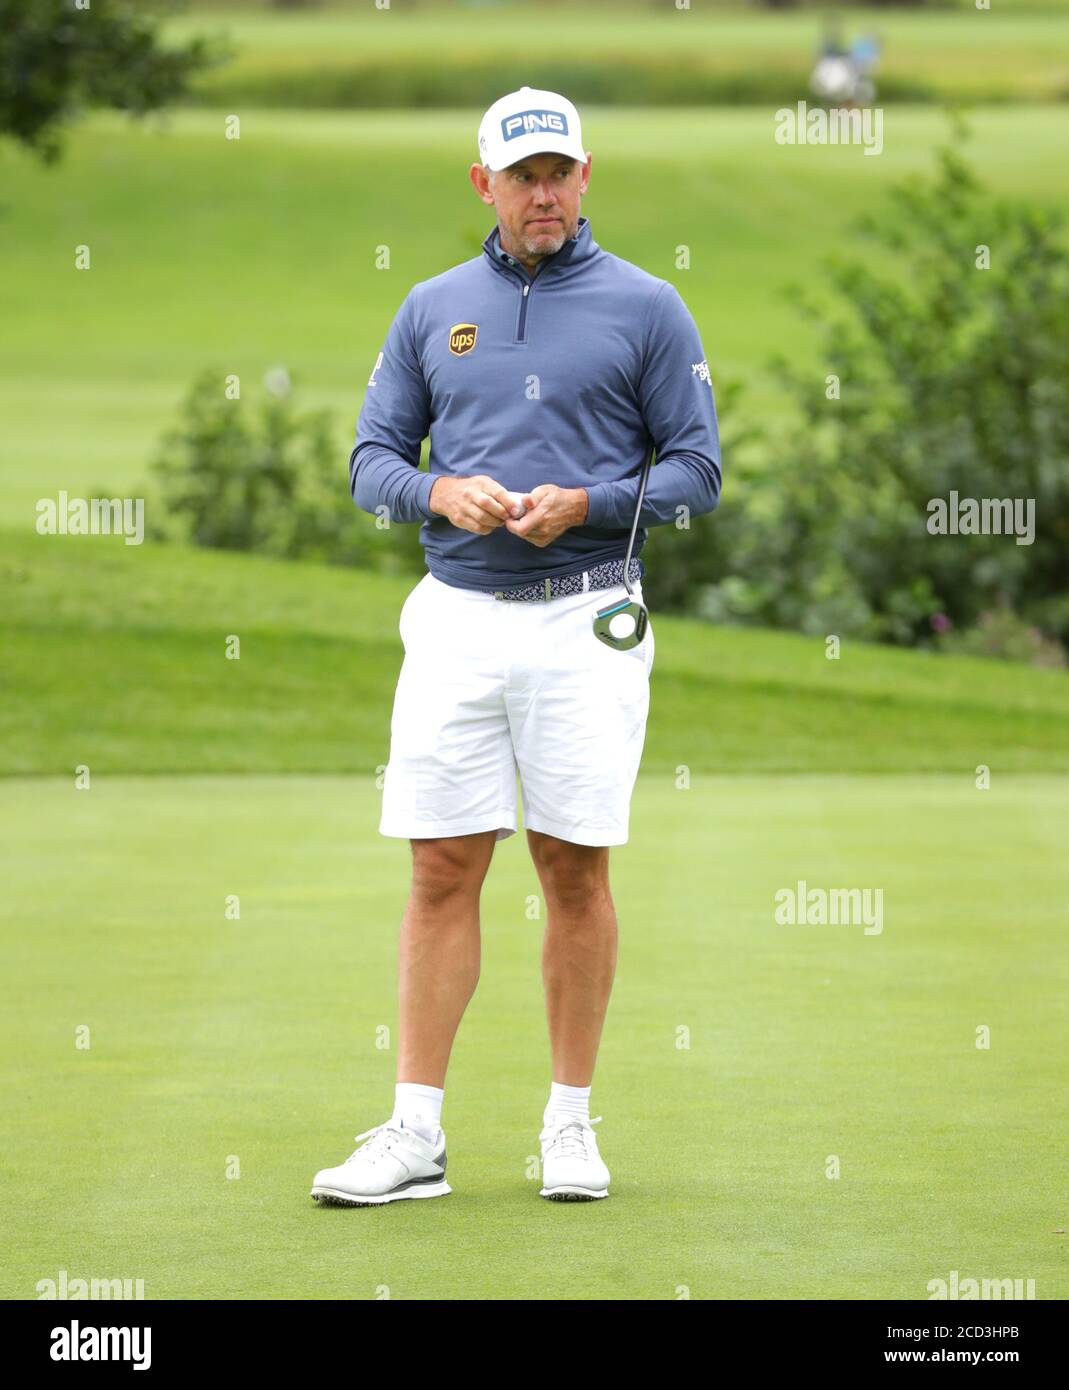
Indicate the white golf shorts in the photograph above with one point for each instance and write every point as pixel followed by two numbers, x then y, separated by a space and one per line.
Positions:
pixel 491 690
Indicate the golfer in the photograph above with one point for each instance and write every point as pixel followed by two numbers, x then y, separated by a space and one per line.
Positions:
pixel 545 370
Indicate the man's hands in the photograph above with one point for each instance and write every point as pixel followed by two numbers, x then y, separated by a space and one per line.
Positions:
pixel 474 504
pixel 550 510
pixel 480 504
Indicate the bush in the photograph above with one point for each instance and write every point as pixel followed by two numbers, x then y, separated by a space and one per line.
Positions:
pixel 268 480
pixel 953 378
pixel 1001 633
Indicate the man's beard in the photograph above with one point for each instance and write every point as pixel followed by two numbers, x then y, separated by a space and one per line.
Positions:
pixel 544 244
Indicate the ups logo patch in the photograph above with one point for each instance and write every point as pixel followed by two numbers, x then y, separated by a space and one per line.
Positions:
pixel 462 338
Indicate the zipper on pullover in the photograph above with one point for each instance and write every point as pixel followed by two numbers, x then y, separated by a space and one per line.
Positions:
pixel 526 284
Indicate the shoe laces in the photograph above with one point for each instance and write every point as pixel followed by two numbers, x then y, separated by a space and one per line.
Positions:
pixel 378 1141
pixel 569 1138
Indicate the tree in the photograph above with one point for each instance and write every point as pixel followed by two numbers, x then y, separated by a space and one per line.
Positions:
pixel 60 57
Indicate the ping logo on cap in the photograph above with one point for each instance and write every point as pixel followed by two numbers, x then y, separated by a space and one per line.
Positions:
pixel 528 122
pixel 462 338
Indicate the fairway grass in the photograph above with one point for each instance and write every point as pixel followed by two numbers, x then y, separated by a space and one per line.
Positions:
pixel 114 657
pixel 265 1044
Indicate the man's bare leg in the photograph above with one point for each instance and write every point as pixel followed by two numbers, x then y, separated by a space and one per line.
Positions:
pixel 578 951
pixel 439 955
pixel 439 969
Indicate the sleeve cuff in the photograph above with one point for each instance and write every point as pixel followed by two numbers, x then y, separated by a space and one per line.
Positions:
pixel 596 500
pixel 423 495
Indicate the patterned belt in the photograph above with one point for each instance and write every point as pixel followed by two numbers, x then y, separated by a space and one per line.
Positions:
pixel 604 576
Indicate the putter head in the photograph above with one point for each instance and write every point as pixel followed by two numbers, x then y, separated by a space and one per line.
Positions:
pixel 617 615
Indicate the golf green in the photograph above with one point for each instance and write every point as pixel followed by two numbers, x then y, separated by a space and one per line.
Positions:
pixel 743 1060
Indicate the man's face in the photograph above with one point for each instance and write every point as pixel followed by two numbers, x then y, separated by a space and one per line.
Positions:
pixel 537 202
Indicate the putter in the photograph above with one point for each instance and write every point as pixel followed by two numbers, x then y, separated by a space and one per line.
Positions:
pixel 623 623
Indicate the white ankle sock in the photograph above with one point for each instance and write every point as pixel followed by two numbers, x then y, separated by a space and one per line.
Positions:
pixel 573 1101
pixel 418 1108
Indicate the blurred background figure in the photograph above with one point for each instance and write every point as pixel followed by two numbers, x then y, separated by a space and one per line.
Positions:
pixel 841 75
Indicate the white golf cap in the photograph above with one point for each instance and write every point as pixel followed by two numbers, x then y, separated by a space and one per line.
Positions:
pixel 528 122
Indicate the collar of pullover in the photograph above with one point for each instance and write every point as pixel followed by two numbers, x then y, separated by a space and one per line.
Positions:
pixel 573 254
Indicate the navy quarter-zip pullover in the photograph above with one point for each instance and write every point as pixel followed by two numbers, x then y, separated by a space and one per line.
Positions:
pixel 573 376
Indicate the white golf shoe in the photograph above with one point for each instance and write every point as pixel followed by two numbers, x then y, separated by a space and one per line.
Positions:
pixel 394 1164
pixel 572 1168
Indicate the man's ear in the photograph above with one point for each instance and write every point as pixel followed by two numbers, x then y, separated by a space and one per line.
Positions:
pixel 480 181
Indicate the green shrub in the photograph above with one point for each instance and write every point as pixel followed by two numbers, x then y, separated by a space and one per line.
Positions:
pixel 472 81
pixel 953 378
pixel 1001 633
pixel 266 478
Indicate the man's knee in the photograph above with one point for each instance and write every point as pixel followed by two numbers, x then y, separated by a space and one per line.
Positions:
pixel 570 872
pixel 455 864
